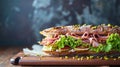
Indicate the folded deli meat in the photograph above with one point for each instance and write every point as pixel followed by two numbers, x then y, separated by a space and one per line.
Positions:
pixel 78 39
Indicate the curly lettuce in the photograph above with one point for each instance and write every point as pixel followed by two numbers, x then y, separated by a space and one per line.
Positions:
pixel 68 41
pixel 112 43
pixel 101 48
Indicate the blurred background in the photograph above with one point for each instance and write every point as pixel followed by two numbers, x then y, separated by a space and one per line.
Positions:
pixel 21 20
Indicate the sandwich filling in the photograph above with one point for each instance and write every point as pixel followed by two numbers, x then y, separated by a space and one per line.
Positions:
pixel 101 38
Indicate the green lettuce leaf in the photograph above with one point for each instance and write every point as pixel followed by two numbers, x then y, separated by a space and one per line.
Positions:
pixel 114 41
pixel 68 41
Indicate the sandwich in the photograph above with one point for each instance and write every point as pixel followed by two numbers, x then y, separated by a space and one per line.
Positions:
pixel 81 39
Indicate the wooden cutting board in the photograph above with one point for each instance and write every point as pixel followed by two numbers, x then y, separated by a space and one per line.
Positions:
pixel 20 59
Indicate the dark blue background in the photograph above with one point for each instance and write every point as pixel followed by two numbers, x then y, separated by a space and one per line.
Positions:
pixel 21 20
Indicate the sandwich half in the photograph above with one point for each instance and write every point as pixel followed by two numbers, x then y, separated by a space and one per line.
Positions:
pixel 84 39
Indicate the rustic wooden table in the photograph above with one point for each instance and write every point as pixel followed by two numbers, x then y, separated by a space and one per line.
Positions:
pixel 6 53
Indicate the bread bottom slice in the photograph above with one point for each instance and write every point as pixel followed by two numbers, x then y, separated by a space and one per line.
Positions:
pixel 81 53
pixel 67 53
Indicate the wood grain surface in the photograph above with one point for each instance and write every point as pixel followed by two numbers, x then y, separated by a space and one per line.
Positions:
pixel 6 53
pixel 50 60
